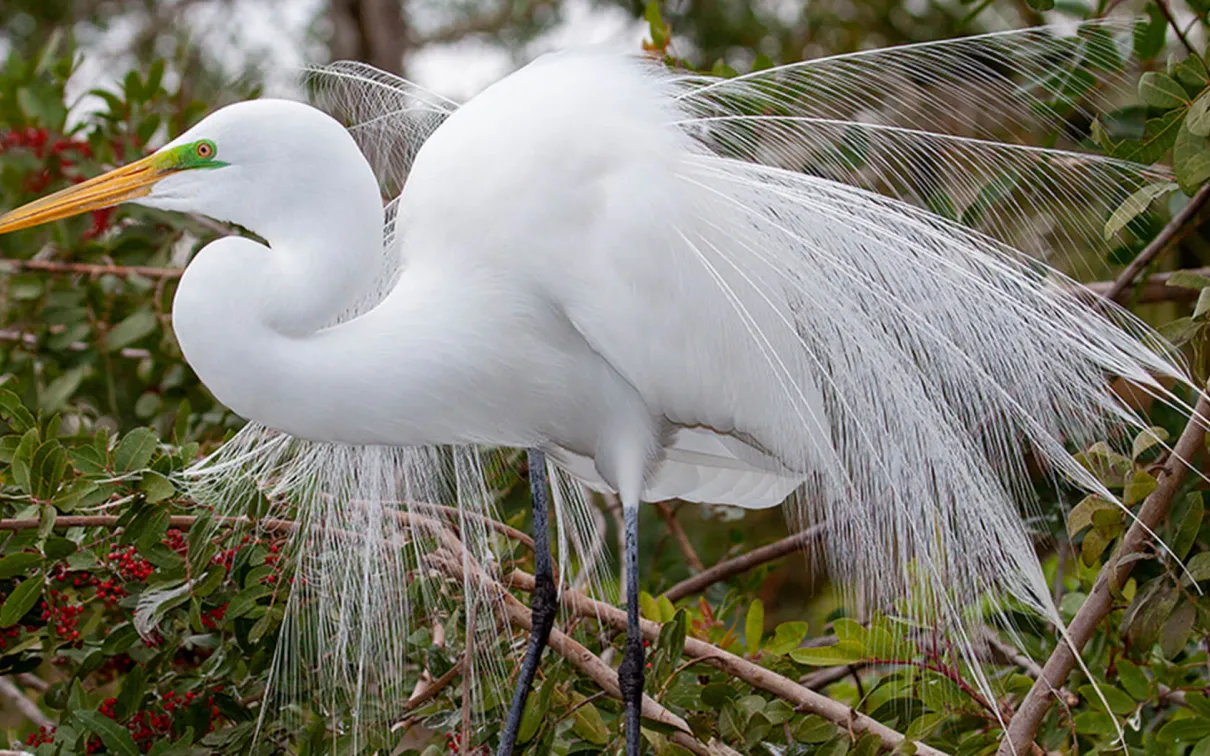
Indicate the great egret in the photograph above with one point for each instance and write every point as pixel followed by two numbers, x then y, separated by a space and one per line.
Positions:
pixel 675 286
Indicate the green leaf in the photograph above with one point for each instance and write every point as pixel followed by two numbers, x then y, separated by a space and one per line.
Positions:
pixel 1149 437
pixel 1198 703
pixel 130 330
pixel 1081 514
pixel 1119 702
pixel 116 738
pixel 730 724
pixel 990 195
pixel 1160 135
pixel 812 729
pixel 1161 91
pixel 1150 34
pixel 841 652
pixel 537 708
pixel 1183 731
pixel 18 564
pixel 58 391
pixel 47 468
pixel 1174 636
pixel 156 487
pixel 754 626
pixel 1134 205
pixel 786 637
pixel 19 418
pixel 1134 680
pixel 589 724
pixel 23 459
pixel 1202 748
pixel 1190 159
pixel 1189 514
pixel 1198 567
pixel 120 639
pixel 243 601
pixel 130 697
pixel 135 450
pixel 1198 119
pixel 1187 280
pixel 21 600
pixel 58 548
pixel 648 606
pixel 1139 487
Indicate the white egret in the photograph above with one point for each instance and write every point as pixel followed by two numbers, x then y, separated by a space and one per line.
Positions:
pixel 674 286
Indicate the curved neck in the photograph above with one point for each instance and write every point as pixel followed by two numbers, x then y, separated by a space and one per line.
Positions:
pixel 322 258
pixel 243 308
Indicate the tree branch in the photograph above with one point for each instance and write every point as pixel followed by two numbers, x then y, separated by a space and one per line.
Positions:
pixel 13 695
pixel 1024 725
pixel 1176 229
pixel 88 269
pixel 743 563
pixel 803 699
pixel 678 535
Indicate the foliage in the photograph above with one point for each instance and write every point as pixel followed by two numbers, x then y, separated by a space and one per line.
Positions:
pixel 154 636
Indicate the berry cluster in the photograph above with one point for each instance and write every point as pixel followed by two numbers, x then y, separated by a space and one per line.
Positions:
pixel 176 540
pixel 130 565
pixel 62 615
pixel 212 618
pixel 111 592
pixel 43 735
pixel 11 632
pixel 65 152
pixel 453 742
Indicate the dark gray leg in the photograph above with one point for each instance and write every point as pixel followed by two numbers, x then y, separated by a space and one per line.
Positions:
pixel 543 607
pixel 630 673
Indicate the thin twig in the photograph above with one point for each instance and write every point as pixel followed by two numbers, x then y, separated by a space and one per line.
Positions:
pixel 441 683
pixel 1155 288
pixel 743 563
pixel 89 269
pixel 1176 229
pixel 13 695
pixel 822 678
pixel 111 521
pixel 1012 656
pixel 679 535
pixel 803 699
pixel 1180 33
pixel 1025 723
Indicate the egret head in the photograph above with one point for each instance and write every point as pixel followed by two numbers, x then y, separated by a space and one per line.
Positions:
pixel 231 166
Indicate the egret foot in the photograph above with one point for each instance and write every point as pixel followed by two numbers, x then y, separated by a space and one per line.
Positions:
pixel 544 604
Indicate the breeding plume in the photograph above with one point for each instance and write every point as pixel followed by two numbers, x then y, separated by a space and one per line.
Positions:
pixel 827 283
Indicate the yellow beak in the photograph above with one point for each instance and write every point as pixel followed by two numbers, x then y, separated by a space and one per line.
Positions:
pixel 119 185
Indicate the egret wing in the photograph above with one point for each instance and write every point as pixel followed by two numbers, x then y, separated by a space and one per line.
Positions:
pixel 944 125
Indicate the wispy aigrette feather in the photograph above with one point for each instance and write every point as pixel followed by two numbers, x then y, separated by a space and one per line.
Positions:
pixel 878 261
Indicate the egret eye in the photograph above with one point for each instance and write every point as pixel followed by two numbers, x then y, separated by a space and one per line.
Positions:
pixel 204 150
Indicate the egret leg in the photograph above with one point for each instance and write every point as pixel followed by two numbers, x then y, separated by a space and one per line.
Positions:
pixel 543 606
pixel 630 673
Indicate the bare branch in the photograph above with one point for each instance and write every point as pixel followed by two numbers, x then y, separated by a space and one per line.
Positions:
pixel 678 534
pixel 12 695
pixel 88 269
pixel 1024 725
pixel 743 563
pixel 1176 229
pixel 803 698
